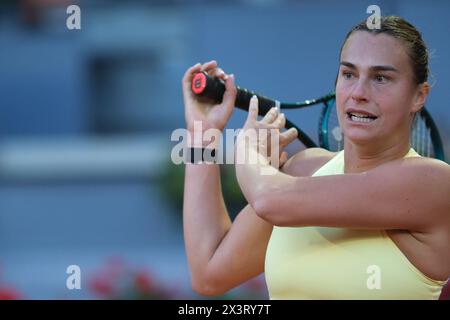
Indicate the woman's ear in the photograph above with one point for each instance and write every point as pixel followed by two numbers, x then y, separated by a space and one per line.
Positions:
pixel 420 97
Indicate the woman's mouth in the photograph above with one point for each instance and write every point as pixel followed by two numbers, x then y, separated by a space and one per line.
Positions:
pixel 360 118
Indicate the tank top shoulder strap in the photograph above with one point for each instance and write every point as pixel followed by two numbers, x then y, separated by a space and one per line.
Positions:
pixel 412 153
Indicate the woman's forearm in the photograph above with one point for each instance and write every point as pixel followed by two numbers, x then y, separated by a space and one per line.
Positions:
pixel 205 217
pixel 248 168
pixel 257 178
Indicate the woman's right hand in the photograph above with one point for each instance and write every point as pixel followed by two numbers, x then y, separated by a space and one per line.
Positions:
pixel 211 115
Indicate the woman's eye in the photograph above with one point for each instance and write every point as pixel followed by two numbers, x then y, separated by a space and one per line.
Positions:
pixel 347 75
pixel 380 79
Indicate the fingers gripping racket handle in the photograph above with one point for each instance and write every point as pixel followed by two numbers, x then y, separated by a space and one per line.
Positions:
pixel 204 85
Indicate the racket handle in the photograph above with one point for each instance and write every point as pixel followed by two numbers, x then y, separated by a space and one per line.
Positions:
pixel 203 85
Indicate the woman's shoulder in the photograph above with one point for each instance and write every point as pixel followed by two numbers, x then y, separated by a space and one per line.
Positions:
pixel 432 175
pixel 307 161
pixel 435 168
pixel 414 167
pixel 425 163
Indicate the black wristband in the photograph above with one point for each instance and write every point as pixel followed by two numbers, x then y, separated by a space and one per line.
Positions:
pixel 200 155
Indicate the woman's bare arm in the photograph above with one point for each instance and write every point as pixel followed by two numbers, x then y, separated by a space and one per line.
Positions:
pixel 222 255
pixel 405 194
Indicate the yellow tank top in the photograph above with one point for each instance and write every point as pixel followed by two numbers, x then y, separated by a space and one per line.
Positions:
pixel 339 263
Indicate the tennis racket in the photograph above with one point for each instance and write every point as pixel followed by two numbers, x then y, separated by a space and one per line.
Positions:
pixel 425 138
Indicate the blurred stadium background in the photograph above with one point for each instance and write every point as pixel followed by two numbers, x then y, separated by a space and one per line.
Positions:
pixel 86 117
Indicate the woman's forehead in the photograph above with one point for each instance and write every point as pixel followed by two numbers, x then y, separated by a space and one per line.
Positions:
pixel 364 50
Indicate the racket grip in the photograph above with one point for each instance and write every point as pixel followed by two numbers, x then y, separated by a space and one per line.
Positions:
pixel 203 85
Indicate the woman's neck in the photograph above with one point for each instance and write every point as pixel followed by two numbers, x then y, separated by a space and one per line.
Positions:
pixel 360 158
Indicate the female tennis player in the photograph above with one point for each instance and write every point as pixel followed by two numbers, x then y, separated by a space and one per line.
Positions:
pixel 369 222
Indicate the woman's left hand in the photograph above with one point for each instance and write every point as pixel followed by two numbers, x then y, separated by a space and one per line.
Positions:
pixel 264 136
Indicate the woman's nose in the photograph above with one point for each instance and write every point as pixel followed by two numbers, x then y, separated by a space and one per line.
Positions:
pixel 359 91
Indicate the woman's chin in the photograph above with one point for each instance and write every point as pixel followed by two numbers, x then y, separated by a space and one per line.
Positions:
pixel 359 138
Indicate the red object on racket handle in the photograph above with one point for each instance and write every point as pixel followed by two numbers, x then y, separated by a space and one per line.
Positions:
pixel 204 85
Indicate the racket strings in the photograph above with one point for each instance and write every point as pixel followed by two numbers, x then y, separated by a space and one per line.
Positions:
pixel 421 139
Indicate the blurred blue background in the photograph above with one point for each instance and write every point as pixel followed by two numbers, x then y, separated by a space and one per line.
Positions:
pixel 86 117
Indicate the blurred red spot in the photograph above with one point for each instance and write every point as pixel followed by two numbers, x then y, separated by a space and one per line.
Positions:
pixel 9 294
